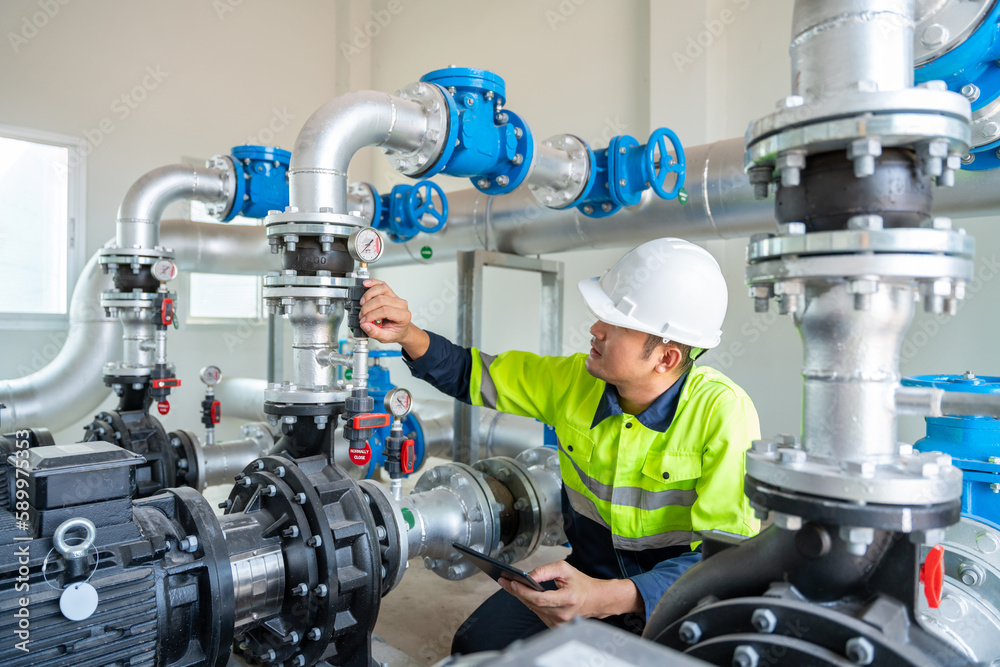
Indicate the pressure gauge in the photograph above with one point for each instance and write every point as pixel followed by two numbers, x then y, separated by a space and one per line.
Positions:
pixel 211 375
pixel 365 244
pixel 164 270
pixel 398 402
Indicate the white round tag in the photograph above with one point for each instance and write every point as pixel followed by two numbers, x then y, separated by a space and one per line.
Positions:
pixel 78 601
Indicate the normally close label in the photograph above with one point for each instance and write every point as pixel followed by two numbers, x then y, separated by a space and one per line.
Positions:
pixel 360 455
pixel 682 196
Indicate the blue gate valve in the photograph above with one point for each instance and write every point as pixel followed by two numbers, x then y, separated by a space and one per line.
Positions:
pixel 622 172
pixel 261 182
pixel 489 145
pixel 410 209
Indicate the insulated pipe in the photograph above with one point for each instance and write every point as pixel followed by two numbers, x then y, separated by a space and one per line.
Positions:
pixel 141 209
pixel 317 176
pixel 211 247
pixel 721 204
pixel 70 386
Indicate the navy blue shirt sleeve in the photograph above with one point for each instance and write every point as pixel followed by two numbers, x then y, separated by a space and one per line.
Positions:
pixel 446 366
pixel 653 585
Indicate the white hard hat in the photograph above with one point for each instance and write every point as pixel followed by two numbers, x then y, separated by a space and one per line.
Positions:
pixel 666 287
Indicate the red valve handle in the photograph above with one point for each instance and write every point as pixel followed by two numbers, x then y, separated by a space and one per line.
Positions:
pixel 166 382
pixel 215 412
pixel 407 456
pixel 370 420
pixel 167 312
pixel 932 576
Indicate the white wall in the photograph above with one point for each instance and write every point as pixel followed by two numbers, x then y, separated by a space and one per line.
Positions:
pixel 595 68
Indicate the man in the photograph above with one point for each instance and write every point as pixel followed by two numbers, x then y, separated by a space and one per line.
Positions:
pixel 651 446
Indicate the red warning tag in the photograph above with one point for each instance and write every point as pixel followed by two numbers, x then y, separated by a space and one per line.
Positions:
pixel 360 455
pixel 163 407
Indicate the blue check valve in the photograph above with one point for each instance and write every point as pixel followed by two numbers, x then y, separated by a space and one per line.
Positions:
pixel 410 209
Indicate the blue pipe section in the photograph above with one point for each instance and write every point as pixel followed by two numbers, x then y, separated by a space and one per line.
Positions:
pixel 405 210
pixel 261 181
pixel 621 173
pixel 487 144
pixel 974 61
pixel 970 441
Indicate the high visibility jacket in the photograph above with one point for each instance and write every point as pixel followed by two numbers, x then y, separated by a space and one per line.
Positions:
pixel 650 489
pixel 642 483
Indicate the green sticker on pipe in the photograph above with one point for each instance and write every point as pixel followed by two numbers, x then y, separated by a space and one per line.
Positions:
pixel 426 252
pixel 408 517
pixel 348 373
pixel 682 196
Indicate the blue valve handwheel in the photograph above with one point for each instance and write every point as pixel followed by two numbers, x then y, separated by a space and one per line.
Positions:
pixel 656 171
pixel 420 202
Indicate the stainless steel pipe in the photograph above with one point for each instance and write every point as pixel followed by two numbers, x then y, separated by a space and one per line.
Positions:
pixel 141 209
pixel 210 247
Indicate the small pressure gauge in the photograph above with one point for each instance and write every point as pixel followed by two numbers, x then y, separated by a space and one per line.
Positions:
pixel 398 402
pixel 211 375
pixel 164 270
pixel 365 244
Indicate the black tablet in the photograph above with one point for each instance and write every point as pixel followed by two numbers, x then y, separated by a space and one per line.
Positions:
pixel 495 568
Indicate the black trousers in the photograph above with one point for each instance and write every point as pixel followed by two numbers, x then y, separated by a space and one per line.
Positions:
pixel 503 619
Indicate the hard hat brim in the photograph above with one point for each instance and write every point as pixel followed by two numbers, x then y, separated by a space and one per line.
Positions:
pixel 603 308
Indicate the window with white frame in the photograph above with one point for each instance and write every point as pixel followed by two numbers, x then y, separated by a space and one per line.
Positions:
pixel 41 225
pixel 213 297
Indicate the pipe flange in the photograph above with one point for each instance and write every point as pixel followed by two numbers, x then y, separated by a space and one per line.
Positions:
pixel 369 202
pixel 896 129
pixel 796 112
pixel 543 467
pixel 433 142
pixel 120 369
pixel 577 177
pixel 941 26
pixel 282 292
pixel 901 240
pixel 325 216
pixel 291 279
pixel 986 124
pixel 527 505
pixel 888 266
pixel 969 613
pixel 393 545
pixel 477 499
pixel 287 393
pixel 912 478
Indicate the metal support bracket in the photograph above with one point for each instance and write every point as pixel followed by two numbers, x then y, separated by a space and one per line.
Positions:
pixel 465 448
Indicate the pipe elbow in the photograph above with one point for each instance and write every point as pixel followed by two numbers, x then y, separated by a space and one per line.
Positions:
pixel 149 196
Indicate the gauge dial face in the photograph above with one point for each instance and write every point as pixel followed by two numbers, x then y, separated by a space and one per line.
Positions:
pixel 367 245
pixel 164 270
pixel 398 402
pixel 211 375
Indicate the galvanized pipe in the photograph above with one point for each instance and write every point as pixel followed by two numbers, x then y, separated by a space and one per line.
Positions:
pixel 141 209
pixel 317 176
pixel 851 44
pixel 211 247
pixel 70 386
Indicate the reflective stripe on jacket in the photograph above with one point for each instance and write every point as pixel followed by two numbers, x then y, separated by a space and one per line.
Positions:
pixel 650 489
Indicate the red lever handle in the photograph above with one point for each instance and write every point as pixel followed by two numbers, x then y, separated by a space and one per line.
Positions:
pixel 215 412
pixel 407 456
pixel 166 382
pixel 370 420
pixel 167 312
pixel 932 576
